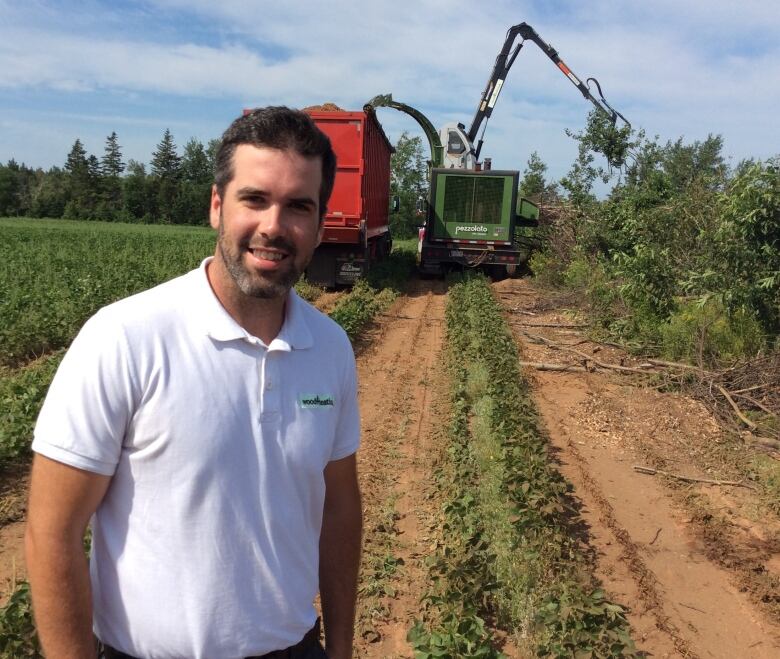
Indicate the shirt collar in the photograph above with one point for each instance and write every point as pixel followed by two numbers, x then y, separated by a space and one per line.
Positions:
pixel 221 326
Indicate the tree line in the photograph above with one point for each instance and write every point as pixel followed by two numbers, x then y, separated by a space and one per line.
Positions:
pixel 174 190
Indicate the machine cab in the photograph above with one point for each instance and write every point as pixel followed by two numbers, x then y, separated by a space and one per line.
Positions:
pixel 458 151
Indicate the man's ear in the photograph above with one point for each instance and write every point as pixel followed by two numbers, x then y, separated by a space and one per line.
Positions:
pixel 215 207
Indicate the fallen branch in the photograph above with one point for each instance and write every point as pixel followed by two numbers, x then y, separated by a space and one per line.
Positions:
pixel 690 367
pixel 766 442
pixel 655 537
pixel 753 388
pixel 693 608
pixel 553 367
pixel 757 403
pixel 553 325
pixel 600 364
pixel 691 479
pixel 736 409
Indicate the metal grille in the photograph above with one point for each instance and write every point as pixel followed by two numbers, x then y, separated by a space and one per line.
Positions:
pixel 473 199
pixel 458 199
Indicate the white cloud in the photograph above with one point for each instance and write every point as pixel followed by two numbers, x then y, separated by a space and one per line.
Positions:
pixel 675 68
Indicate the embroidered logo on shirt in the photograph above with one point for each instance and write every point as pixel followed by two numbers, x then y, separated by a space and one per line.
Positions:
pixel 308 401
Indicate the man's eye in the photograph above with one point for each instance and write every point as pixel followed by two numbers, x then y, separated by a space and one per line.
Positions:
pixel 301 206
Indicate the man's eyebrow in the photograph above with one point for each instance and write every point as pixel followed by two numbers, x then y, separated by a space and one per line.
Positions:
pixel 248 191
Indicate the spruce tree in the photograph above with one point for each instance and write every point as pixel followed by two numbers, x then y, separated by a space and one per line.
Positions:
pixel 79 183
pixel 111 167
pixel 166 163
pixel 166 171
pixel 76 163
pixel 111 164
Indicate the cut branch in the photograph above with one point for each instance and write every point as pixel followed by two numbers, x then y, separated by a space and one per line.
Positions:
pixel 691 479
pixel 737 411
pixel 689 367
pixel 757 403
pixel 553 367
pixel 552 325
pixel 600 364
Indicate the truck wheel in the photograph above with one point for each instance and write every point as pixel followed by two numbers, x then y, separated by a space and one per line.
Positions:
pixel 496 272
pixel 511 270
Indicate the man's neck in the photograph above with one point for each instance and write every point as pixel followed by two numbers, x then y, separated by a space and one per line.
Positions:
pixel 260 317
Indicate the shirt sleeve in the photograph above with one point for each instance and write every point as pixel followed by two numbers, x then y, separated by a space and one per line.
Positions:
pixel 348 426
pixel 90 402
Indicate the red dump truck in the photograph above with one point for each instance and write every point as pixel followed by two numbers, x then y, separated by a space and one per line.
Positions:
pixel 357 228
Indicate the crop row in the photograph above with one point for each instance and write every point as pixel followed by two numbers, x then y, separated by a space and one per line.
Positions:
pixel 55 274
pixel 505 552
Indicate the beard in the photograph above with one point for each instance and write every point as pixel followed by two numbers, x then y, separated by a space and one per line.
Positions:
pixel 263 285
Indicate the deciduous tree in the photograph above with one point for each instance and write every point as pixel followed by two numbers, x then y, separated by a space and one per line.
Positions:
pixel 408 181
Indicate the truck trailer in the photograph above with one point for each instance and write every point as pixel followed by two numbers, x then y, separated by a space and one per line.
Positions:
pixel 357 227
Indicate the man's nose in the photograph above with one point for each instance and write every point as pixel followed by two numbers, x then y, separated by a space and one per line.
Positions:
pixel 271 220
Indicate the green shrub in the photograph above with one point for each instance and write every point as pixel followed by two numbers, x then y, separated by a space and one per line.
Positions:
pixel 579 273
pixel 308 291
pixel 706 334
pixel 749 242
pixel 546 269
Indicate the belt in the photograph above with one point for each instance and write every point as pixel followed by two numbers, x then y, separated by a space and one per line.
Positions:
pixel 297 651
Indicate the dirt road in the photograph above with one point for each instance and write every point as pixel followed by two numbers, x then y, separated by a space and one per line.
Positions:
pixel 691 592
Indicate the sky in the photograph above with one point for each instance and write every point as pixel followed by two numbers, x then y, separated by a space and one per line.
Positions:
pixel 675 68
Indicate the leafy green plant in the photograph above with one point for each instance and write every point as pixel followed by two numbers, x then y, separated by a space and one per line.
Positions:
pixel 505 553
pixel 702 332
pixel 54 274
pixel 581 624
pixel 21 396
pixel 18 637
pixel 308 291
pixel 748 240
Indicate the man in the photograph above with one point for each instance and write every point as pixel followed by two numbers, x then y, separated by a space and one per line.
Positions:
pixel 210 425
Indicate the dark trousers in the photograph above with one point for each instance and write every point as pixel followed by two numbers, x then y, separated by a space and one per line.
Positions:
pixel 309 647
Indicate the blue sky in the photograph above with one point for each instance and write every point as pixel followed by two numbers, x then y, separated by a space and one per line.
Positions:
pixel 675 68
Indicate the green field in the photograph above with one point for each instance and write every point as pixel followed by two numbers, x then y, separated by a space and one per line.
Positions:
pixel 54 274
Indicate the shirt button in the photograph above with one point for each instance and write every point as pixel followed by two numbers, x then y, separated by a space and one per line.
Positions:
pixel 268 385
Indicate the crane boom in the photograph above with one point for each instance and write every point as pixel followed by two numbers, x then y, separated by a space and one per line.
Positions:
pixel 506 57
pixel 437 150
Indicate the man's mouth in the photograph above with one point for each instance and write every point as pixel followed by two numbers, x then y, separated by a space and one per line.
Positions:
pixel 267 255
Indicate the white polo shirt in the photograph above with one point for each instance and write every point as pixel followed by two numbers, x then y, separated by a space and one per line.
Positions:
pixel 206 544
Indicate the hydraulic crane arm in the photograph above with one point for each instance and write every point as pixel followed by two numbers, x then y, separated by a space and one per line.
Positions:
pixel 506 57
pixel 437 151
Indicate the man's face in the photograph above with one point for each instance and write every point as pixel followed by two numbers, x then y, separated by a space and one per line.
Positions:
pixel 268 219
